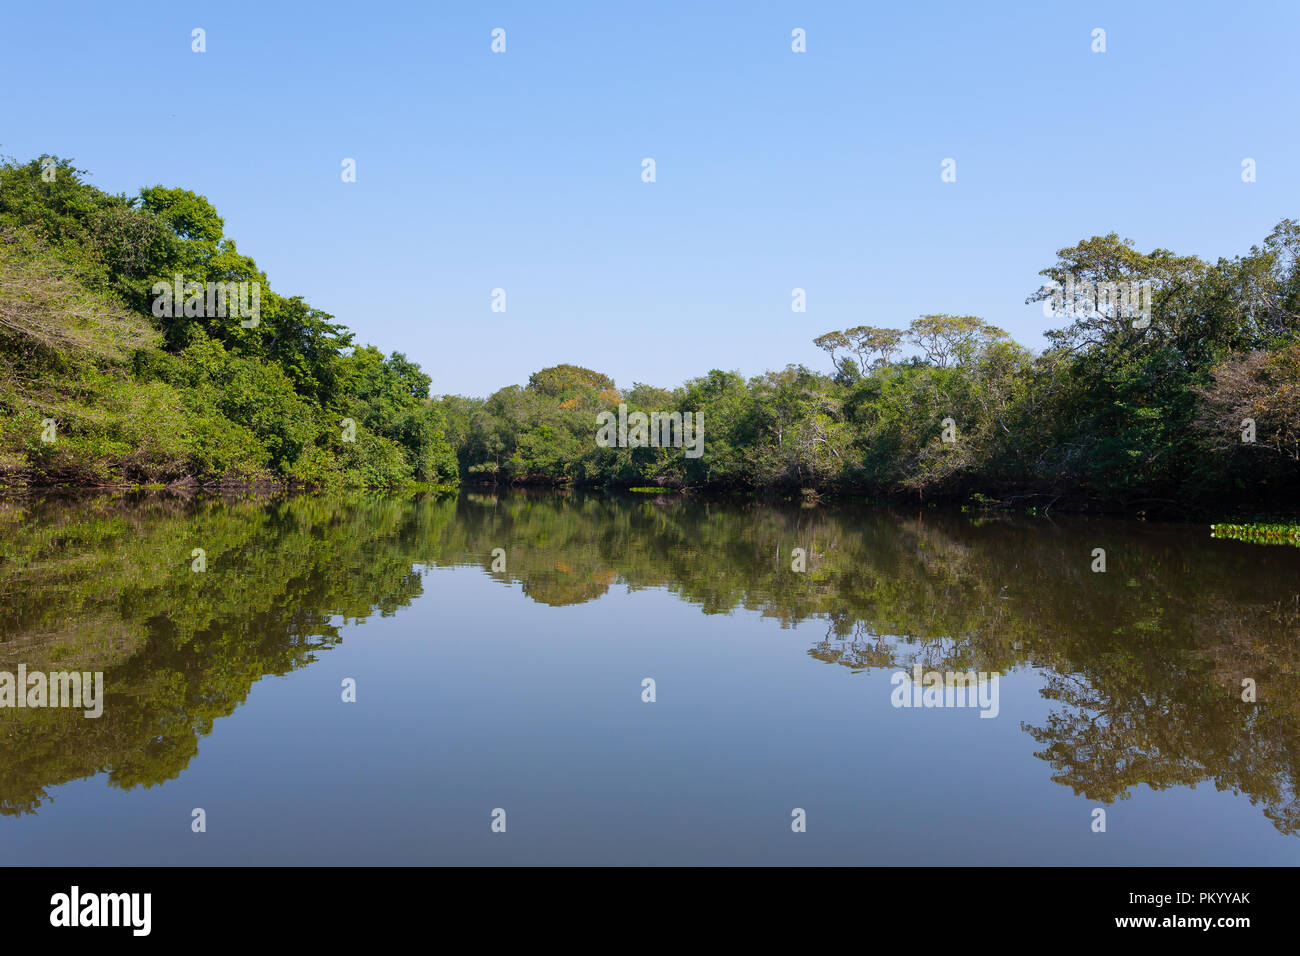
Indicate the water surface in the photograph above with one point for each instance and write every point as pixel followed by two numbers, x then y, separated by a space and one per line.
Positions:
pixel 520 687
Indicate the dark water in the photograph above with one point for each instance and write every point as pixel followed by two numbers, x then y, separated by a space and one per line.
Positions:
pixel 521 688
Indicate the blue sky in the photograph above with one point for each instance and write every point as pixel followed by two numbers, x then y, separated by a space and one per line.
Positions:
pixel 775 170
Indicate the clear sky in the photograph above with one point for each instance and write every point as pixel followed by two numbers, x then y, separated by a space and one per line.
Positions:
pixel 774 169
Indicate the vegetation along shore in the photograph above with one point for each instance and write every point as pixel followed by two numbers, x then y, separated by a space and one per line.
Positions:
pixel 1193 409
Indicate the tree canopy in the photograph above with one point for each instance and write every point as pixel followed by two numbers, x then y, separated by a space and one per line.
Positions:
pixel 138 396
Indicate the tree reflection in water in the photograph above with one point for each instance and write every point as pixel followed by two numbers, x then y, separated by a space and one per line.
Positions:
pixel 1143 664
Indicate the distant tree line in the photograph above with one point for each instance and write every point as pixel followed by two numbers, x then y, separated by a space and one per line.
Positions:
pixel 1196 404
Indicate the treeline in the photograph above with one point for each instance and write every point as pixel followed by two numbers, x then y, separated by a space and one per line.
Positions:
pixel 1194 403
pixel 96 387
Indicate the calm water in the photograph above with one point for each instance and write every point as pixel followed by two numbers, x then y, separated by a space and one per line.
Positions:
pixel 521 688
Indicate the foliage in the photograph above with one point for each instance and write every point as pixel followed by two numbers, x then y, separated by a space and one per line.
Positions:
pixel 139 397
pixel 1115 413
pixel 1259 533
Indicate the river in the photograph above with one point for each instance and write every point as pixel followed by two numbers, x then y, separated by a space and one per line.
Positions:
pixel 585 679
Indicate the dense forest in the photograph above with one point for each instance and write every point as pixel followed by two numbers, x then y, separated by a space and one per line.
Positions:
pixel 97 388
pixel 1195 404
